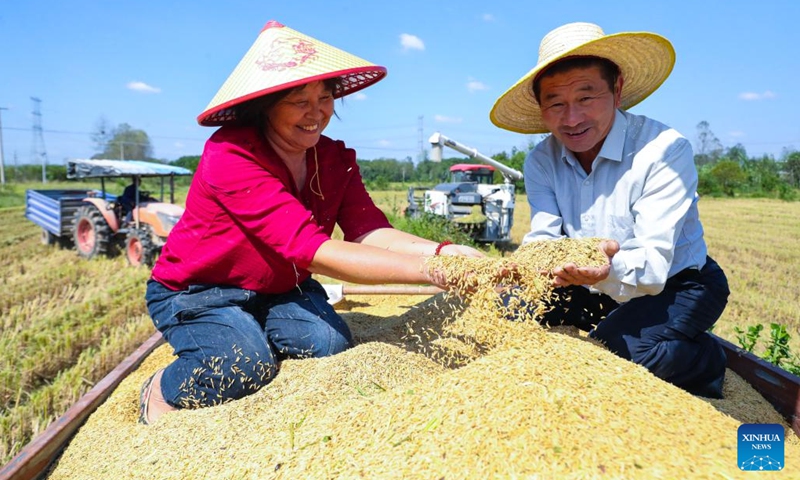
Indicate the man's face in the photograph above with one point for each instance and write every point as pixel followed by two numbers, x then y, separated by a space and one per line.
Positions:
pixel 579 108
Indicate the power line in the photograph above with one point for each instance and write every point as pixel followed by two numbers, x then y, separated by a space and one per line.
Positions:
pixel 67 132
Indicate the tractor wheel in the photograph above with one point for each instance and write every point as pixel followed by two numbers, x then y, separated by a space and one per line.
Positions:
pixel 91 232
pixel 139 248
pixel 64 242
pixel 48 238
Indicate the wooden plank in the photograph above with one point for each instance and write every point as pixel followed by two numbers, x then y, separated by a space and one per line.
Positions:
pixel 390 290
pixel 777 386
pixel 34 459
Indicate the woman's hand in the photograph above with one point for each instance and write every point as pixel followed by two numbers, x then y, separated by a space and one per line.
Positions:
pixel 436 277
pixel 468 274
pixel 454 250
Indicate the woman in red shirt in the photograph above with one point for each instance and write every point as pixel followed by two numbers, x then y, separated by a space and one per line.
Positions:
pixel 232 290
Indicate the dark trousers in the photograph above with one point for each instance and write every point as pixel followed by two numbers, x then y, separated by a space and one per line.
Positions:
pixel 666 333
pixel 229 341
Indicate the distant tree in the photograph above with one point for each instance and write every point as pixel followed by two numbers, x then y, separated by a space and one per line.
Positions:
pixel 122 142
pixel 729 176
pixel 763 174
pixel 407 170
pixel 189 162
pixel 737 153
pixel 792 168
pixel 516 161
pixel 103 132
pixel 435 172
pixel 505 159
pixel 390 169
pixel 706 182
pixel 708 148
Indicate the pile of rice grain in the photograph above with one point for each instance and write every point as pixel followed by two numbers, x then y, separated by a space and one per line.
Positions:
pixel 435 388
pixel 526 272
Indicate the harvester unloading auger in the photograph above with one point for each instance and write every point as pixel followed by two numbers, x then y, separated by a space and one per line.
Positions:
pixel 470 198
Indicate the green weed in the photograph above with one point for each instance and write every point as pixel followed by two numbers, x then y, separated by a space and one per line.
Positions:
pixel 776 351
pixel 749 338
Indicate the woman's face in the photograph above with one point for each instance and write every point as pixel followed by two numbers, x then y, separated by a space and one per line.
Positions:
pixel 296 121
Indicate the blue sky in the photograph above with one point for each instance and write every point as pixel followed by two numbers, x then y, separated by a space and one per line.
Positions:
pixel 156 64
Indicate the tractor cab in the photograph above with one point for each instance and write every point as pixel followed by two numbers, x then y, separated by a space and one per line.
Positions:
pixel 465 172
pixel 464 189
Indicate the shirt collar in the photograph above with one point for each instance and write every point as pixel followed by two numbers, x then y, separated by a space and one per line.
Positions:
pixel 613 146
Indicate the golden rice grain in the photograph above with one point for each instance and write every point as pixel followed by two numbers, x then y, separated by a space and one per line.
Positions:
pixel 438 388
pixel 522 401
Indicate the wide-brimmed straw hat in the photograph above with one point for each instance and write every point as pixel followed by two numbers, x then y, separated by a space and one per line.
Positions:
pixel 283 58
pixel 645 60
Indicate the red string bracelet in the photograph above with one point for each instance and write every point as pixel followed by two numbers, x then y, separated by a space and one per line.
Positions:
pixel 442 245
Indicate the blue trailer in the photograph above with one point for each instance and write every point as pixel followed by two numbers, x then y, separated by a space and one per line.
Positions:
pixel 55 211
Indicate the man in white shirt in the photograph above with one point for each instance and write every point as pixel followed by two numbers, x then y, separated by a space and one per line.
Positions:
pixel 607 173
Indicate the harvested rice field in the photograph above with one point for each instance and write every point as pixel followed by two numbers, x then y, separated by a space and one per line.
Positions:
pixel 434 388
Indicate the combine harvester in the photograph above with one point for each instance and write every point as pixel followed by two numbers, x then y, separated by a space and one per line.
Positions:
pixel 470 199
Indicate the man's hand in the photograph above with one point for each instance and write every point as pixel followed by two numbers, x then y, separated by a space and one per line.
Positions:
pixel 571 274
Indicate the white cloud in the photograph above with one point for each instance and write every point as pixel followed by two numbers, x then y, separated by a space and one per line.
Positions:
pixel 446 119
pixel 487 17
pixel 178 145
pixel 411 42
pixel 757 96
pixel 358 96
pixel 475 86
pixel 736 134
pixel 384 143
pixel 142 87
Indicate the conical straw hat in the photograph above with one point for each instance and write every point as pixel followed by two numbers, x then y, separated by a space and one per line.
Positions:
pixel 283 58
pixel 645 60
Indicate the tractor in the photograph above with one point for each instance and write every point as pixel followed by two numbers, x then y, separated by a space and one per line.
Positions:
pixel 96 222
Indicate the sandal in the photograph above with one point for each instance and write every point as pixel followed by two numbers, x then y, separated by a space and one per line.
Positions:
pixel 144 399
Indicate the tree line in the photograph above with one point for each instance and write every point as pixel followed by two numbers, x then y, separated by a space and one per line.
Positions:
pixel 722 171
pixel 731 172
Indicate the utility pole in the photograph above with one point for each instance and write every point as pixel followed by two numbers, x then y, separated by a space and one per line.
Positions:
pixel 37 147
pixel 2 164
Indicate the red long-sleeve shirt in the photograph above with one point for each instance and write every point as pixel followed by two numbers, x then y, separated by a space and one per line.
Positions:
pixel 245 223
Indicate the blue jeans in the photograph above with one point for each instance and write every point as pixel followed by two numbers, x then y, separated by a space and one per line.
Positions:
pixel 666 333
pixel 229 340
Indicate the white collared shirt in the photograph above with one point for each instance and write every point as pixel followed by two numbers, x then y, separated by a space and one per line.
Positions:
pixel 641 192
